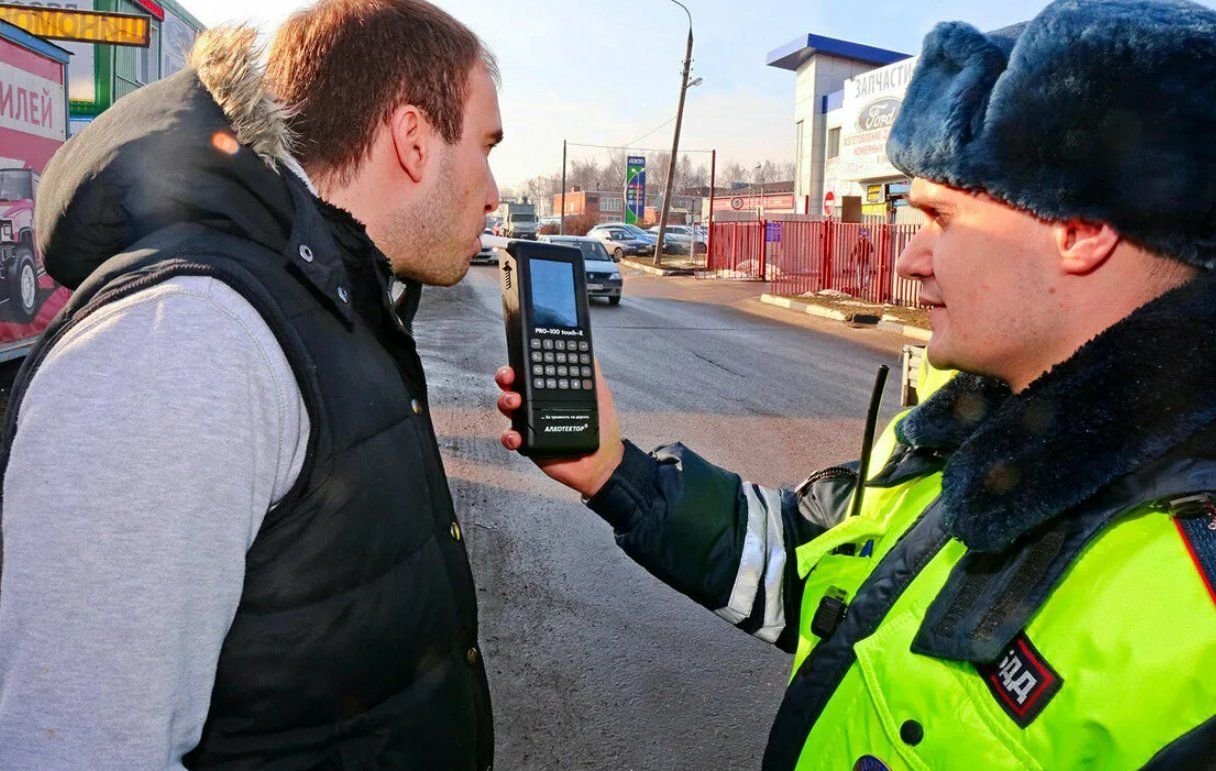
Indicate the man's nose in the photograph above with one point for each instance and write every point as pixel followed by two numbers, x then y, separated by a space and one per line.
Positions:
pixel 492 200
pixel 916 260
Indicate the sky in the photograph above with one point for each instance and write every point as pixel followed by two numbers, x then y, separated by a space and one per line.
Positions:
pixel 607 72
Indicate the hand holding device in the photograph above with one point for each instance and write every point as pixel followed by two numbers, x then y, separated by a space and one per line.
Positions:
pixel 586 474
pixel 548 324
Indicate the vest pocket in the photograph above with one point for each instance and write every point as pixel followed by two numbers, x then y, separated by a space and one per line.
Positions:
pixel 927 707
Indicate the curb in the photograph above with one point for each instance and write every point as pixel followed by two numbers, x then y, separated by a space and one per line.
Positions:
pixel 916 333
pixel 867 319
pixel 652 270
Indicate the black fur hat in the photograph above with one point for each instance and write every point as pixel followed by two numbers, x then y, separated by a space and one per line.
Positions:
pixel 1102 110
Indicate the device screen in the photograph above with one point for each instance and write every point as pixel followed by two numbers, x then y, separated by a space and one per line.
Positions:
pixel 553 293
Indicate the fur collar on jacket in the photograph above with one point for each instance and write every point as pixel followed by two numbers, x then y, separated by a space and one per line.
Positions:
pixel 228 62
pixel 1125 399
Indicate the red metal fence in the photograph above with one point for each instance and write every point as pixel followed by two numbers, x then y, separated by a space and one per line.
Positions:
pixel 737 247
pixel 810 256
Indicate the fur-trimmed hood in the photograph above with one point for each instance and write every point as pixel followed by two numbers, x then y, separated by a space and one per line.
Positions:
pixel 1139 392
pixel 228 62
pixel 206 145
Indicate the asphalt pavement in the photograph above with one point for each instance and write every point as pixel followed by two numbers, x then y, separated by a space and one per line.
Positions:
pixel 593 663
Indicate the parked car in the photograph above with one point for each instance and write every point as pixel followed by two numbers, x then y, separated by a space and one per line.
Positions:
pixel 637 231
pixel 487 252
pixel 679 237
pixel 621 242
pixel 603 275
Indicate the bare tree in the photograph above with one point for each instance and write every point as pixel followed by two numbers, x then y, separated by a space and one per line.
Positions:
pixel 541 189
pixel 733 173
pixel 698 177
pixel 608 174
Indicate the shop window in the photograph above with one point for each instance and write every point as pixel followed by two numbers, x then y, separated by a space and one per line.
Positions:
pixel 146 64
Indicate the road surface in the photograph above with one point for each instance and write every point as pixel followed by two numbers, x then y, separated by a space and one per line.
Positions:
pixel 593 663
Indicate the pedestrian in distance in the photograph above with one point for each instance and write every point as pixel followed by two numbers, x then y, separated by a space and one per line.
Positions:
pixel 1022 574
pixel 228 539
pixel 862 267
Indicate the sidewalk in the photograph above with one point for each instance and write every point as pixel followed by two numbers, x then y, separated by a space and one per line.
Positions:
pixel 909 322
pixel 672 266
pixel 906 321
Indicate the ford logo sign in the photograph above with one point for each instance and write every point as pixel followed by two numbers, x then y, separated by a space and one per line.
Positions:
pixel 879 114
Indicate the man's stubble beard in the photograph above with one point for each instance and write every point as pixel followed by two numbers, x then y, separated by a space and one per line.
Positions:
pixel 425 241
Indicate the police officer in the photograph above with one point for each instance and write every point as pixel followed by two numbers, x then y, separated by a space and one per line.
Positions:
pixel 1030 581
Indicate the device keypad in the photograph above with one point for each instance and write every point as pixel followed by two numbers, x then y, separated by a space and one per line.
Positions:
pixel 560 364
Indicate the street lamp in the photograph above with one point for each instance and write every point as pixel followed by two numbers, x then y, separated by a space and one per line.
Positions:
pixel 760 177
pixel 675 141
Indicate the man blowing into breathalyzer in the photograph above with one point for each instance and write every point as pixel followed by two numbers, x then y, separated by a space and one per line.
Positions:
pixel 1031 579
pixel 228 537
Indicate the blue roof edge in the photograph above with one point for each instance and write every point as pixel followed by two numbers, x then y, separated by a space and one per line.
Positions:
pixel 15 34
pixel 792 55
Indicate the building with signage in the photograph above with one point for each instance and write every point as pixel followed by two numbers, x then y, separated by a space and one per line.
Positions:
pixel 100 74
pixel 609 206
pixel 821 66
pixel 847 97
pixel 753 201
pixel 857 176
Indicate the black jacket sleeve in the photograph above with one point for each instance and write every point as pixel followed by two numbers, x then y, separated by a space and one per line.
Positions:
pixel 727 544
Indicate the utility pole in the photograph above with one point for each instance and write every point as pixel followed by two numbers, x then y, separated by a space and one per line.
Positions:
pixel 675 142
pixel 709 240
pixel 561 228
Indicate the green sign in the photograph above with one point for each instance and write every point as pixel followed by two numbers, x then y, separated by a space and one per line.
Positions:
pixel 635 189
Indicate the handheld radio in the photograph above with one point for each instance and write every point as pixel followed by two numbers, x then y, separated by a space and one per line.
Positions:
pixel 544 303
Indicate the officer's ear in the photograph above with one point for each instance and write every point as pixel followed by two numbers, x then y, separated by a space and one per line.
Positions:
pixel 413 139
pixel 1084 246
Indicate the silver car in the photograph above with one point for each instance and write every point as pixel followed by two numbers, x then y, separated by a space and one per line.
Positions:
pixel 678 238
pixel 621 242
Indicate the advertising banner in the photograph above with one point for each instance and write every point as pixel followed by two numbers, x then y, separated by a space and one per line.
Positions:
pixel 772 202
pixel 33 125
pixel 871 104
pixel 635 189
pixel 82 72
pixel 120 29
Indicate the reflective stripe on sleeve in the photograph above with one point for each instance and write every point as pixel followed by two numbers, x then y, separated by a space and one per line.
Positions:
pixel 762 560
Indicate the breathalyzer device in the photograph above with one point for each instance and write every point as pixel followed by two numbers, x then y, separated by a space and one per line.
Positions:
pixel 545 310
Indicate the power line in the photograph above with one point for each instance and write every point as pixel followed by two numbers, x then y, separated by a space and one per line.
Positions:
pixel 640 149
pixel 667 122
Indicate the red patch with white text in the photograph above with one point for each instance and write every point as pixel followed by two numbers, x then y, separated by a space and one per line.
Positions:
pixel 1021 680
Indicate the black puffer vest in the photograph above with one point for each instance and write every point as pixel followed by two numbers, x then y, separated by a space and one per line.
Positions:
pixel 355 642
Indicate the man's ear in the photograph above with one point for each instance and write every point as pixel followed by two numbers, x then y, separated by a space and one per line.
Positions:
pixel 412 140
pixel 1084 246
